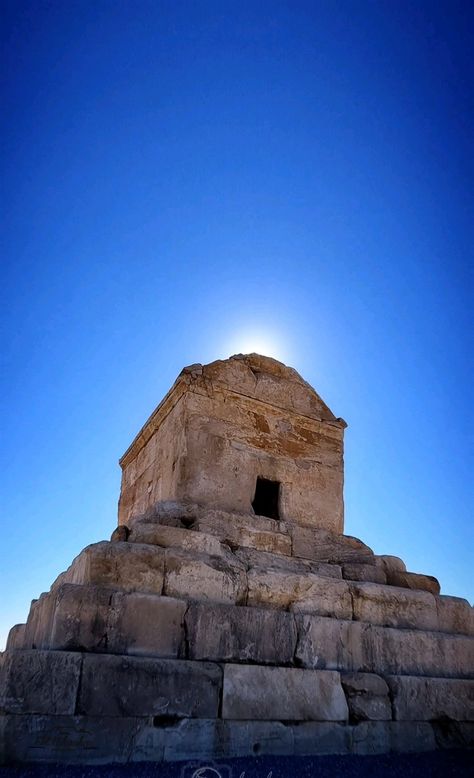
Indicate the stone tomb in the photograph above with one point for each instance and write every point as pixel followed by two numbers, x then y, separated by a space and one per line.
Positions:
pixel 229 615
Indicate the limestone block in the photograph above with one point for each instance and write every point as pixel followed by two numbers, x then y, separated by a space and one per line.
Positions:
pixel 331 644
pixel 454 734
pixel 128 566
pixel 176 537
pixel 354 571
pixel 324 546
pixel 254 738
pixel 394 607
pixel 390 563
pixel 304 593
pixel 426 699
pixel 69 739
pixel 256 692
pixel 120 534
pixel 406 580
pixel 16 638
pixel 415 652
pixel 455 615
pixel 39 682
pixel 321 737
pixel 138 686
pixel 367 697
pixel 383 737
pixel 228 633
pixel 94 618
pixel 245 531
pixel 202 577
pixel 38 624
pixel 264 559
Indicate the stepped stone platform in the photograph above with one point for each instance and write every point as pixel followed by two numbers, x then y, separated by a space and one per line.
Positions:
pixel 229 615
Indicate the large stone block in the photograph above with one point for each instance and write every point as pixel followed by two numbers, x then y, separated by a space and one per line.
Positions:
pixel 202 577
pixel 354 571
pixel 16 638
pixel 428 699
pixel 383 737
pixel 367 697
pixel 175 537
pixel 393 607
pixel 265 560
pixel 256 692
pixel 321 737
pixel 229 633
pixel 254 532
pixel 324 546
pixel 69 739
pixel 304 593
pixel 415 581
pixel 455 615
pixel 38 624
pixel 39 682
pixel 415 652
pixel 128 566
pixel 94 618
pixel 138 686
pixel 390 563
pixel 331 644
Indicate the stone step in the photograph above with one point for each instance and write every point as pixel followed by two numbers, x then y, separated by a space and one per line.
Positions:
pixel 266 560
pixel 91 740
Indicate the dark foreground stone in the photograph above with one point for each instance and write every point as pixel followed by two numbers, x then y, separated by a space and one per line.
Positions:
pixel 444 764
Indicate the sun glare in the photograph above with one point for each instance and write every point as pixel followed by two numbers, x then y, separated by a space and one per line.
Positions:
pixel 260 343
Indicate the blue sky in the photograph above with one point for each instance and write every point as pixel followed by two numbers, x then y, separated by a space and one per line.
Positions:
pixel 184 180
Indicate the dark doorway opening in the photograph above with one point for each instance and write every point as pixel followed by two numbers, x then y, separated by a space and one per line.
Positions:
pixel 265 502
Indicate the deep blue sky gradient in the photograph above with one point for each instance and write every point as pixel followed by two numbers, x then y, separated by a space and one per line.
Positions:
pixel 182 180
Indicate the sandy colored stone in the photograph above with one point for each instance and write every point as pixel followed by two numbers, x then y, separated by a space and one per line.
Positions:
pixel 253 532
pixel 426 699
pixel 138 686
pixel 16 638
pixel 290 693
pixel 354 571
pixel 390 563
pixel 263 559
pixel 331 644
pixel 128 566
pixel 204 578
pixel 228 633
pixel 38 624
pixel 324 546
pixel 455 615
pixel 176 537
pixel 303 593
pixel 407 580
pixel 367 697
pixel 39 681
pixel 394 607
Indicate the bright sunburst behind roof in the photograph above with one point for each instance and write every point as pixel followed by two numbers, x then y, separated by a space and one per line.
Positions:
pixel 269 345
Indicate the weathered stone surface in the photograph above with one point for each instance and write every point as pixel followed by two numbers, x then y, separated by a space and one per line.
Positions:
pixel 394 607
pixel 93 618
pixel 246 531
pixel 138 686
pixel 263 559
pixel 38 625
pixel 229 633
pixel 383 737
pixel 290 693
pixel 427 699
pixel 176 537
pixel 222 425
pixel 128 566
pixel 331 644
pixel 202 577
pixel 69 739
pixel 120 534
pixel 254 738
pixel 354 571
pixel 455 615
pixel 16 638
pixel 390 563
pixel 367 697
pixel 321 737
pixel 39 682
pixel 453 734
pixel 324 546
pixel 425 583
pixel 305 593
